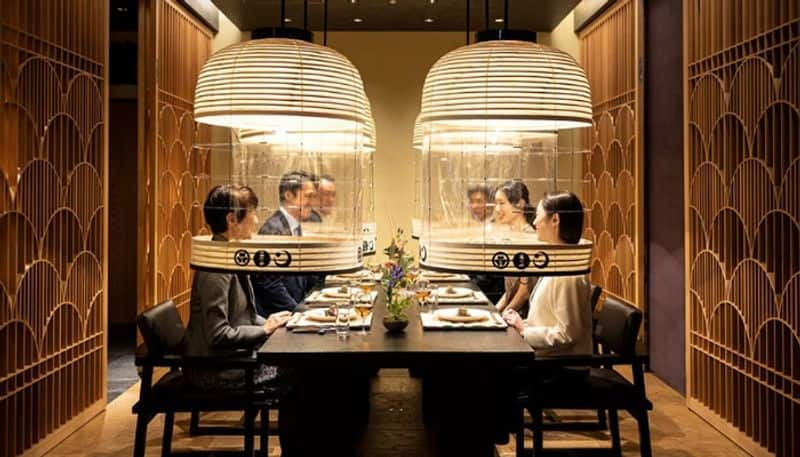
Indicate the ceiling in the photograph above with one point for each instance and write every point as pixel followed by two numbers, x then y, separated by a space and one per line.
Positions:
pixel 435 15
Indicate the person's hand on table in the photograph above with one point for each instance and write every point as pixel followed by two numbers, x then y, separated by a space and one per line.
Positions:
pixel 513 319
pixel 277 320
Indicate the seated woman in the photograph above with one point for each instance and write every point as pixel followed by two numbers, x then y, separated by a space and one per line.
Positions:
pixel 559 320
pixel 513 209
pixel 222 308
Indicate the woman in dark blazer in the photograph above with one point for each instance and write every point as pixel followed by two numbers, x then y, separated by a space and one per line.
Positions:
pixel 222 305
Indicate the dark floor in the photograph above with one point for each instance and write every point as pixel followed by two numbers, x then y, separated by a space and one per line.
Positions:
pixel 121 370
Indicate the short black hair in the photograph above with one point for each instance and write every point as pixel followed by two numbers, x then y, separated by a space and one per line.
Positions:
pixel 292 182
pixel 570 214
pixel 225 199
pixel 480 188
pixel 515 191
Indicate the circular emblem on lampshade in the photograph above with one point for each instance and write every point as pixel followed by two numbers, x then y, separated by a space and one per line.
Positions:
pixel 281 84
pixel 507 85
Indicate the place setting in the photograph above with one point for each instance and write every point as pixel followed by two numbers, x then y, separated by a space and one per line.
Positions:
pixel 437 276
pixel 340 317
pixel 462 318
pixel 454 295
pixel 345 278
pixel 363 291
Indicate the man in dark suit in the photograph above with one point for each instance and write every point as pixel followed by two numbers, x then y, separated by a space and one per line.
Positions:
pixel 480 207
pixel 276 293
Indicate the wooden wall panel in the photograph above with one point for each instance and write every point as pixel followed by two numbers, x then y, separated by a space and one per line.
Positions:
pixel 175 46
pixel 53 197
pixel 610 49
pixel 742 111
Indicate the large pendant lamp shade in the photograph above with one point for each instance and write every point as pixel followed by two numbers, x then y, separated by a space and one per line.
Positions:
pixel 507 85
pixel 281 84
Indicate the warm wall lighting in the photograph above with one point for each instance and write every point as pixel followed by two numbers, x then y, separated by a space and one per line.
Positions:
pixel 281 84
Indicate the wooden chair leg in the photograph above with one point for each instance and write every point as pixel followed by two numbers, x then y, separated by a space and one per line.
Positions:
pixel 140 441
pixel 538 434
pixel 520 435
pixel 264 432
pixel 644 434
pixel 613 422
pixel 601 419
pixel 249 431
pixel 166 440
pixel 194 423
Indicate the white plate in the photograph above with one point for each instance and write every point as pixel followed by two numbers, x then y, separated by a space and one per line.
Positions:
pixel 451 315
pixel 337 292
pixel 454 292
pixel 320 315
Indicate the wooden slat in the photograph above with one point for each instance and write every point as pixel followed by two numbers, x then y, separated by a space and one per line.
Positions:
pixel 173 48
pixel 611 46
pixel 743 261
pixel 53 265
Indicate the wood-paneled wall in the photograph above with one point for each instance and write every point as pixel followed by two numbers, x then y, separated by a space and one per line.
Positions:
pixel 174 173
pixel 742 111
pixel 610 49
pixel 53 197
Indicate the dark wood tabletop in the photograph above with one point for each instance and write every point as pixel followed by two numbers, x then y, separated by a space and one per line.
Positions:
pixel 411 348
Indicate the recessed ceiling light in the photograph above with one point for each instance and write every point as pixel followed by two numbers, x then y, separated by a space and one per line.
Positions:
pixel 499 20
pixel 358 20
pixel 428 20
pixel 432 1
pixel 393 2
pixel 286 19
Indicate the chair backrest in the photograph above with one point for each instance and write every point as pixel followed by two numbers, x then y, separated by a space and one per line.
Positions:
pixel 618 326
pixel 595 298
pixel 162 329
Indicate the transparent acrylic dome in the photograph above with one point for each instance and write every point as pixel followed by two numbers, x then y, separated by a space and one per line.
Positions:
pixel 462 227
pixel 311 201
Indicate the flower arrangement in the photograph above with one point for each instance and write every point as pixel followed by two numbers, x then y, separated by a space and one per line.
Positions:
pixel 395 278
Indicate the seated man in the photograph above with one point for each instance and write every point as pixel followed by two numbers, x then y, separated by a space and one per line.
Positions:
pixel 276 293
pixel 325 200
pixel 480 207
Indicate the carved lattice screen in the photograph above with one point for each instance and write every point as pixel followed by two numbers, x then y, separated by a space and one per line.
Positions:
pixel 743 219
pixel 609 53
pixel 53 108
pixel 175 172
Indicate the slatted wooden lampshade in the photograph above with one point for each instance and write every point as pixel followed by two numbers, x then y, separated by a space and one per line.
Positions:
pixel 490 114
pixel 507 85
pixel 281 84
pixel 293 106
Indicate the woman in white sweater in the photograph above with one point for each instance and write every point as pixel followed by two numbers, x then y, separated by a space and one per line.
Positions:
pixel 559 320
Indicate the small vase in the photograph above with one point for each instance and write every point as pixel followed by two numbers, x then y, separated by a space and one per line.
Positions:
pixel 394 326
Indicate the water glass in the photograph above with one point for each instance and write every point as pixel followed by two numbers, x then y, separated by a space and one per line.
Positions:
pixel 342 324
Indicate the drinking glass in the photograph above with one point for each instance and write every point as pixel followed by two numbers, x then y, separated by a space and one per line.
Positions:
pixel 422 288
pixel 342 324
pixel 363 310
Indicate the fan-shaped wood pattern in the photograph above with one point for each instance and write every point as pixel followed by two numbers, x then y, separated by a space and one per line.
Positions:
pixel 52 187
pixel 614 170
pixel 179 174
pixel 742 223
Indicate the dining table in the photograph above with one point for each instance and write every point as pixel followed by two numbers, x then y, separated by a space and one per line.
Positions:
pixel 465 372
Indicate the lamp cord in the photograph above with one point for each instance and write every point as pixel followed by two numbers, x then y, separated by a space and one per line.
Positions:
pixel 467 27
pixel 325 23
